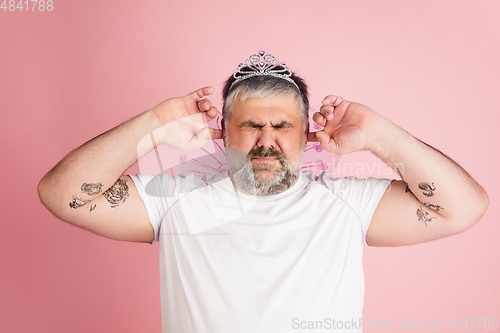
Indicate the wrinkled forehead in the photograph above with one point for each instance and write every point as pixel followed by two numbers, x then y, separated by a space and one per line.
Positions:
pixel 281 106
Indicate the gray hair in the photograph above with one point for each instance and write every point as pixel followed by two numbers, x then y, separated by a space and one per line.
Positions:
pixel 262 87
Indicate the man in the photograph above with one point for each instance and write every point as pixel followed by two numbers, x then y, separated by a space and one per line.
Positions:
pixel 262 247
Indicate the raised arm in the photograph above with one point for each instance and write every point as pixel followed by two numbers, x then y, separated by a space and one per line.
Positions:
pixel 436 197
pixel 88 189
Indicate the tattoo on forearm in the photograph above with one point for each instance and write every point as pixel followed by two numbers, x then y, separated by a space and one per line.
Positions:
pixel 92 188
pixel 424 216
pixel 78 202
pixel 92 207
pixel 435 208
pixel 427 190
pixel 117 194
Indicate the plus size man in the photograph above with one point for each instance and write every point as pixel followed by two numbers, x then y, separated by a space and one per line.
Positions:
pixel 262 246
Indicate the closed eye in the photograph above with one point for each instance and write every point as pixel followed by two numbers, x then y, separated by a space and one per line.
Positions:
pixel 251 125
pixel 283 126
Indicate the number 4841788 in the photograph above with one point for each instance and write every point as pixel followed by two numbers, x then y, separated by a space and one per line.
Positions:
pixel 25 4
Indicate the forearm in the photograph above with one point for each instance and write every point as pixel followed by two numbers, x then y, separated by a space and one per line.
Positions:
pixel 435 180
pixel 95 166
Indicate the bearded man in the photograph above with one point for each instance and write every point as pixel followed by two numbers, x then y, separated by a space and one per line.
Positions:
pixel 262 247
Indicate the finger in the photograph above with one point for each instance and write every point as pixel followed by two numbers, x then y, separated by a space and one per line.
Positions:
pixel 211 114
pixel 319 119
pixel 208 133
pixel 200 93
pixel 333 115
pixel 327 142
pixel 204 104
pixel 322 137
pixel 327 111
pixel 215 133
pixel 311 137
pixel 332 100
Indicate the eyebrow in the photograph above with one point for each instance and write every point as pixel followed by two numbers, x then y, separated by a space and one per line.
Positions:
pixel 283 124
pixel 251 123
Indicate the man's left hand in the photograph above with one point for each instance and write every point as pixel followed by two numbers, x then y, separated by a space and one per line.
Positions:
pixel 347 125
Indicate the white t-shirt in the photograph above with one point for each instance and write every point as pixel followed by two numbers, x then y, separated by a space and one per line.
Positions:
pixel 232 262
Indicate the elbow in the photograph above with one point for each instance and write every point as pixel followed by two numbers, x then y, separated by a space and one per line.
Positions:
pixel 483 201
pixel 40 190
pixel 47 198
pixel 475 211
pixel 483 205
pixel 44 192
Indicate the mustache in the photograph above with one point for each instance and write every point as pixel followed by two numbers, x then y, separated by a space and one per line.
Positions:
pixel 266 152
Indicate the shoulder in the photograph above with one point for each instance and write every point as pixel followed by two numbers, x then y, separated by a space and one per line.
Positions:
pixel 167 185
pixel 346 186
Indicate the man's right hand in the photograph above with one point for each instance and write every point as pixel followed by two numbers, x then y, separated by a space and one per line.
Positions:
pixel 185 119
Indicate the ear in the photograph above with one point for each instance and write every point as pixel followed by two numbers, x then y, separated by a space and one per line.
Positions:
pixel 306 133
pixel 223 129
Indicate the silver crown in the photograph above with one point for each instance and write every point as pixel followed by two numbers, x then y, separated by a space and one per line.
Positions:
pixel 262 64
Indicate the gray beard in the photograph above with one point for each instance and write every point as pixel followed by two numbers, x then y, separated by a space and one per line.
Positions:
pixel 248 179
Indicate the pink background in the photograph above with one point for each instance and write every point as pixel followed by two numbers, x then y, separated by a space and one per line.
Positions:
pixel 68 75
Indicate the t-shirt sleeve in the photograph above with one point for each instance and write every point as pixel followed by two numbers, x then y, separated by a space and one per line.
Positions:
pixel 362 196
pixel 159 193
pixel 152 190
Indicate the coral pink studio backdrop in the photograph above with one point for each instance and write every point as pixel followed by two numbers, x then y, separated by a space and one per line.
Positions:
pixel 70 74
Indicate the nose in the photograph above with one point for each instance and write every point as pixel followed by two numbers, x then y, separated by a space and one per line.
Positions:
pixel 266 138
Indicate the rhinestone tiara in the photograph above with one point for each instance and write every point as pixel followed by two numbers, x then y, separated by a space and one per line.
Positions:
pixel 261 64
